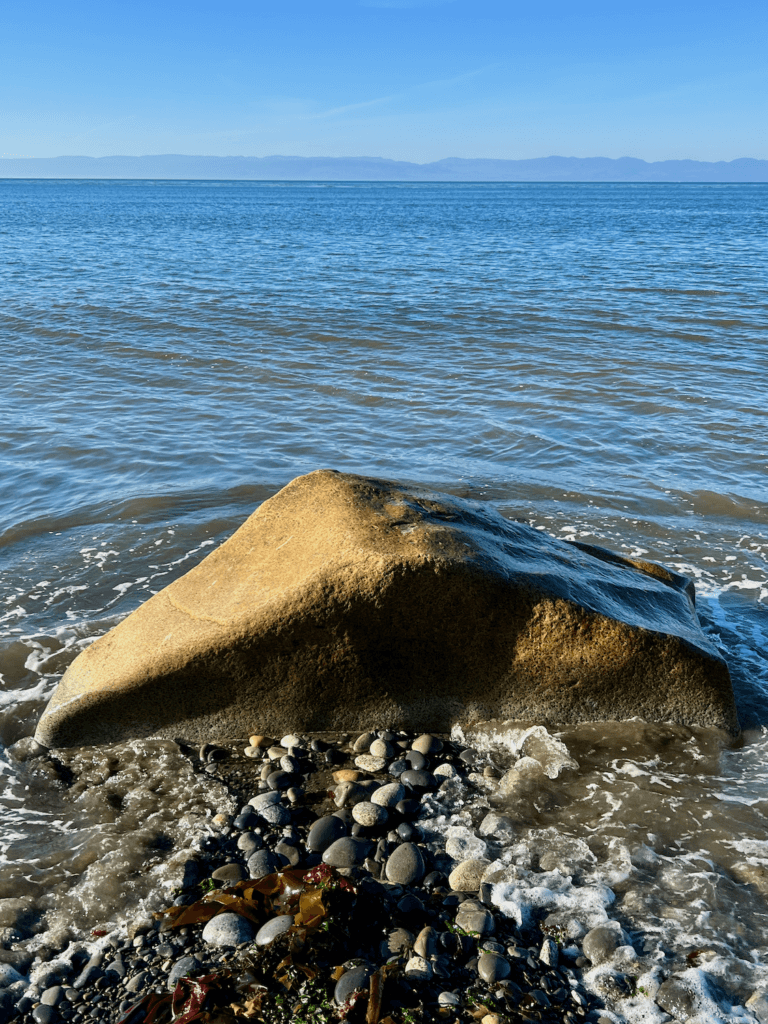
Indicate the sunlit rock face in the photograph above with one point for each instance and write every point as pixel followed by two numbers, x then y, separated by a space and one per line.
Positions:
pixel 345 601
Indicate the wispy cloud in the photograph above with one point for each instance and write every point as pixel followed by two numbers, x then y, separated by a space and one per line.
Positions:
pixel 359 106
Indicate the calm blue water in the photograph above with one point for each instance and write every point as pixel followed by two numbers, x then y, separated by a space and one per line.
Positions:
pixel 591 357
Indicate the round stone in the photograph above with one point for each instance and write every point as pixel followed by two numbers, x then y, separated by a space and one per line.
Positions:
pixel 426 942
pixel 492 967
pixel 448 999
pixel 52 996
pixel 281 780
pixel 352 981
pixel 252 751
pixel 369 814
pixel 405 865
pixel 227 930
pixel 290 764
pixel 289 851
pixel 397 768
pixel 397 941
pixel 416 779
pixel 249 843
pixel 183 968
pixel 467 876
pixel 474 918
pixel 427 744
pixel 290 741
pixel 444 771
pixel 324 831
pixel 381 748
pixel 273 929
pixel 264 800
pixel 43 1014
pixel 388 795
pixel 363 742
pixel 230 873
pixel 275 815
pixel 261 863
pixel 418 969
pixel 370 763
pixel 347 852
pixel 346 775
pixel 416 760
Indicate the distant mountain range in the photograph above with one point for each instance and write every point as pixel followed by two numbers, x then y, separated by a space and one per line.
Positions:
pixel 365 168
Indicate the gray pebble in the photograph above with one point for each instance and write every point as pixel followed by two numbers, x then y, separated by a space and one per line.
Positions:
pixel 249 843
pixel 228 930
pixel 418 969
pixel 230 873
pixel 273 929
pixel 474 918
pixel 325 831
pixel 275 815
pixel 369 763
pixel 183 968
pixel 281 780
pixel 350 982
pixel 52 996
pixel 381 748
pixel 600 943
pixel 263 862
pixel 416 760
pixel 136 983
pixel 263 799
pixel 397 768
pixel 43 1014
pixel 369 814
pixel 405 865
pixel 418 779
pixel 492 967
pixel 426 943
pixel 363 742
pixel 290 764
pixel 389 795
pixel 347 852
pixel 427 744
pixel 289 851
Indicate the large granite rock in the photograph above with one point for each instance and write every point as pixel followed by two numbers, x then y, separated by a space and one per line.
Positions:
pixel 344 602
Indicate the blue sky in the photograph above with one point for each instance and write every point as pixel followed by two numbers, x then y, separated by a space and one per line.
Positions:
pixel 407 79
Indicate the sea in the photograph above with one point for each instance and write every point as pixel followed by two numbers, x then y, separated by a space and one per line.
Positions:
pixel 589 358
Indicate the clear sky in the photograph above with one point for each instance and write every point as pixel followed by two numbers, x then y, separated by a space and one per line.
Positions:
pixel 408 79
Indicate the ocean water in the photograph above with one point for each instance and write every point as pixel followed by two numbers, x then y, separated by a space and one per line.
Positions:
pixel 590 358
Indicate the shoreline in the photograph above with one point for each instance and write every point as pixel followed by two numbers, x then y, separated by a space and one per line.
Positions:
pixel 571 947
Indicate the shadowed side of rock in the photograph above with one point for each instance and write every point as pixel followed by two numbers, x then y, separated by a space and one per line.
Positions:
pixel 345 600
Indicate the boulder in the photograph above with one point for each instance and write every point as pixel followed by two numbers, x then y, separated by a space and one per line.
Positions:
pixel 344 601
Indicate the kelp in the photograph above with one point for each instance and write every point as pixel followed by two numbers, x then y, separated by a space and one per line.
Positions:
pixel 254 899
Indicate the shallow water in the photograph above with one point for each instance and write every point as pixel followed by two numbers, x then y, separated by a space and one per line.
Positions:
pixel 591 358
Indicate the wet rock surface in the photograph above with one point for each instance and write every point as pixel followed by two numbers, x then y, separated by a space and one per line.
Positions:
pixel 391 927
pixel 397 605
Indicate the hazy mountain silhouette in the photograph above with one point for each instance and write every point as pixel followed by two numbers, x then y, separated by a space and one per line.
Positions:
pixel 364 168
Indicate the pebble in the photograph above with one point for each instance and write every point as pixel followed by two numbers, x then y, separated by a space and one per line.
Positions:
pixel 369 814
pixel 261 863
pixel 290 764
pixel 43 1014
pixel 252 751
pixel 467 876
pixel 186 967
pixel 418 969
pixel 324 831
pixel 370 763
pixel 52 996
pixel 347 852
pixel 472 917
pixel 351 981
pixel 388 795
pixel 275 814
pixel 492 967
pixel 249 843
pixel 445 771
pixel 290 741
pixel 601 942
pixel 415 760
pixel 228 930
pixel 396 768
pixel 416 779
pixel 264 800
pixel 381 748
pixel 290 852
pixel 281 780
pixel 228 873
pixel 427 744
pixel 346 775
pixel 363 742
pixel 426 942
pixel 273 929
pixel 397 941
pixel 257 740
pixel 405 865
pixel 448 999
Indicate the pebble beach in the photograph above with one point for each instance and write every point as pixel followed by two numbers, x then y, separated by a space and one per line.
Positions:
pixel 368 878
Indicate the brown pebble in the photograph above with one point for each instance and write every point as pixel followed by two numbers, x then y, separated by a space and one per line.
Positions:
pixel 258 741
pixel 346 775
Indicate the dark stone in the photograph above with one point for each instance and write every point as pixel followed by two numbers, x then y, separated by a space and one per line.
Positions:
pixel 405 865
pixel 416 760
pixel 352 981
pixel 418 780
pixel 347 852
